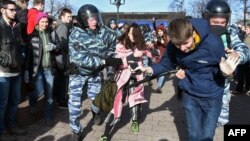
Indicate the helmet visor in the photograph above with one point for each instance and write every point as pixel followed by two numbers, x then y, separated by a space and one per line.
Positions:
pixel 93 16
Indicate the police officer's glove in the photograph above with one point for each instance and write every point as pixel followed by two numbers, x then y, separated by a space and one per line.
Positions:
pixel 132 59
pixel 115 62
pixel 50 47
pixel 5 60
pixel 72 69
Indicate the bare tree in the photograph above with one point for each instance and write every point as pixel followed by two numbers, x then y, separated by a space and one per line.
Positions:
pixel 54 6
pixel 51 4
pixel 196 8
pixel 177 6
pixel 246 10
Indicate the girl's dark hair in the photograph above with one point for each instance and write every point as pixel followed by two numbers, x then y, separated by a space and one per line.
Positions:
pixel 139 42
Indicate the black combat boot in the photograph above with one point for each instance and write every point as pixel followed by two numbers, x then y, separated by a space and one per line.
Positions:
pixel 96 118
pixel 77 137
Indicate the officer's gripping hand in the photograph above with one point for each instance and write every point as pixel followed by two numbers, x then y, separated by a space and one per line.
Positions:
pixel 72 69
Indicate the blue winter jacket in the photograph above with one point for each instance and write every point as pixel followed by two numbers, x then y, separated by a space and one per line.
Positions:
pixel 203 76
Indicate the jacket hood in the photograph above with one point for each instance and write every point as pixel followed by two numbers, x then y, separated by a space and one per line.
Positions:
pixel 201 26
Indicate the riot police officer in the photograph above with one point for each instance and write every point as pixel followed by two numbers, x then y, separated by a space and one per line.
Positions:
pixel 218 13
pixel 90 48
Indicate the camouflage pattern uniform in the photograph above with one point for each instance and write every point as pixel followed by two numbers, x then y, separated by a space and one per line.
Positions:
pixel 87 49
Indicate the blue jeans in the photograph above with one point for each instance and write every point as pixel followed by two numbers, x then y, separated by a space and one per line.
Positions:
pixel 160 81
pixel 202 115
pixel 146 61
pixel 43 83
pixel 9 99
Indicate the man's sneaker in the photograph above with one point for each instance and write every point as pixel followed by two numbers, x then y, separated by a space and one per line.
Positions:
pixel 17 131
pixel 135 127
pixel 5 137
pixel 248 93
pixel 33 110
pixel 96 118
pixel 158 90
pixel 179 93
pixel 76 137
pixel 235 92
pixel 103 138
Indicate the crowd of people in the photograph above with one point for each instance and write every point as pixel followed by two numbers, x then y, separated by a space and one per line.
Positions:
pixel 70 56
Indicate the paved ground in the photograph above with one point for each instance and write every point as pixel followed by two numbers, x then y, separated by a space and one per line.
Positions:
pixel 162 120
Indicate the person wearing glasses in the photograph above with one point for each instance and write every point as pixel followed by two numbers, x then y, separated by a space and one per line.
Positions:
pixel 10 78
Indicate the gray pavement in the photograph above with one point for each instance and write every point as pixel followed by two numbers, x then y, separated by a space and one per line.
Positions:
pixel 162 120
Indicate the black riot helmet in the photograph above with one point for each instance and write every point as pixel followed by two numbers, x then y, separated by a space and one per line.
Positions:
pixel 112 21
pixel 217 8
pixel 88 11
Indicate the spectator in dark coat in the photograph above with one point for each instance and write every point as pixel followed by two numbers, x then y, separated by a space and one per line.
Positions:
pixel 61 39
pixel 10 79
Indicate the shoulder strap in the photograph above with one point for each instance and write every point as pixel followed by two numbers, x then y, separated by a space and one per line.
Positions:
pixel 228 40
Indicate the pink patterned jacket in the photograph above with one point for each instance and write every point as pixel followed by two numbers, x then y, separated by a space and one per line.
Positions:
pixel 137 96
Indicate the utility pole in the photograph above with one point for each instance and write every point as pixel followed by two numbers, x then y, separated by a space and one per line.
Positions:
pixel 245 10
pixel 117 3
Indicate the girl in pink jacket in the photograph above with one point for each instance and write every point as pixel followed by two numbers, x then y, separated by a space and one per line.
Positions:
pixel 130 48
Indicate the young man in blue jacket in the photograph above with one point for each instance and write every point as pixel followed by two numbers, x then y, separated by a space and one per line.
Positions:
pixel 198 53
